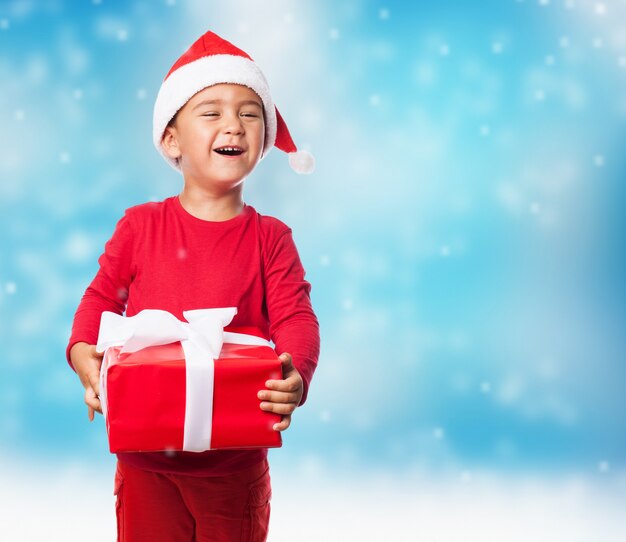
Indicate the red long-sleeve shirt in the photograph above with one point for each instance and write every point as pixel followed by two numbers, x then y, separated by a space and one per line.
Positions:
pixel 162 257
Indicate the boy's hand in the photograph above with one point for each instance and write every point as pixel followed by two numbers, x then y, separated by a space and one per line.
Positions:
pixel 86 362
pixel 283 396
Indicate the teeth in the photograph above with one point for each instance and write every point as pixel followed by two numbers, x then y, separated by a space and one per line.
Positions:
pixel 229 151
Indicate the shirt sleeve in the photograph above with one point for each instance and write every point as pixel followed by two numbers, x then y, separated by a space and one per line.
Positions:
pixel 294 328
pixel 109 289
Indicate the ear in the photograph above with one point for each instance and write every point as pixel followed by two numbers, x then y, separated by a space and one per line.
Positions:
pixel 169 142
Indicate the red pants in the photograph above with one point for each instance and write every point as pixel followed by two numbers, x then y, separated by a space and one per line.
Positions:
pixel 157 507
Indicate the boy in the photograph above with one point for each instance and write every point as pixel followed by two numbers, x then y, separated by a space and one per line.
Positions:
pixel 213 121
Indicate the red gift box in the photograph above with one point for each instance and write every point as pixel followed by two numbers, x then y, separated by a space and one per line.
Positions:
pixel 146 397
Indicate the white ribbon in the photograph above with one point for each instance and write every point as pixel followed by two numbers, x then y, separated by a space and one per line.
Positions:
pixel 202 339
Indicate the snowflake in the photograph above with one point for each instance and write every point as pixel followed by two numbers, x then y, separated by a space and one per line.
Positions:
pixel 600 8
pixel 19 115
pixel 603 466
pixel 4 24
pixel 496 48
pixel 383 14
pixel 485 130
pixel 534 208
pixel 79 247
pixel 444 251
pixel 438 433
pixel 333 34
pixel 374 100
pixel 10 288
pixel 597 42
pixel 549 60
pixel 598 160
pixel 78 94
pixel 324 260
pixel 64 157
pixel 485 387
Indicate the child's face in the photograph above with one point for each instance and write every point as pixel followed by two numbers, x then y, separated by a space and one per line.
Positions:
pixel 218 135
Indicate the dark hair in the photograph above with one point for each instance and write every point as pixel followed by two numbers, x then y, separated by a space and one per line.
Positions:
pixel 172 122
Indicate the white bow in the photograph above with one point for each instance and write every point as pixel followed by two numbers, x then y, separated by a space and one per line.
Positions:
pixel 152 327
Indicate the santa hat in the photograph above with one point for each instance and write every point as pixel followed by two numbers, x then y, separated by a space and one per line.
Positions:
pixel 209 61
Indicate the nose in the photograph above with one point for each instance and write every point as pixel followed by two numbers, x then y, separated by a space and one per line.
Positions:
pixel 232 124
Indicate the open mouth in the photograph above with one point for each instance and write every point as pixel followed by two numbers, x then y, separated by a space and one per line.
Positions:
pixel 229 151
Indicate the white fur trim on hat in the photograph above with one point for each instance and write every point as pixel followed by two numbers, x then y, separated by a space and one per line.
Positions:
pixel 191 78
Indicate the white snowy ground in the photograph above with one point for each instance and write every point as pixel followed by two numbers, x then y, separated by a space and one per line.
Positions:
pixel 76 504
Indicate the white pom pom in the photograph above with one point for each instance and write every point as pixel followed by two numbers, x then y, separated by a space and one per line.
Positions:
pixel 302 162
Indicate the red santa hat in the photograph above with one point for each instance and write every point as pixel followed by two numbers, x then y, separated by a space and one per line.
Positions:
pixel 212 60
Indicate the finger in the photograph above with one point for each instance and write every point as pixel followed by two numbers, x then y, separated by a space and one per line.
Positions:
pixel 278 396
pixel 283 424
pixel 94 408
pixel 92 400
pixel 278 408
pixel 94 382
pixel 290 384
pixel 90 413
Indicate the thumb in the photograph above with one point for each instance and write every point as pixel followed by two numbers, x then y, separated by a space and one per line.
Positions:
pixel 287 362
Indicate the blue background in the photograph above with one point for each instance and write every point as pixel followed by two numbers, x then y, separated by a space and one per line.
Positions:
pixel 463 231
